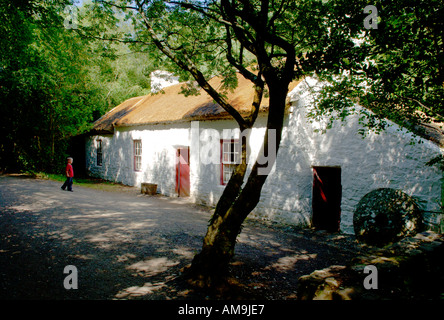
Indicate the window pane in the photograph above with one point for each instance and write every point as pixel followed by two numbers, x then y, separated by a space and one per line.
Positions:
pixel 226 147
pixel 230 157
pixel 227 172
pixel 138 148
pixel 137 155
pixel 236 157
pixel 99 152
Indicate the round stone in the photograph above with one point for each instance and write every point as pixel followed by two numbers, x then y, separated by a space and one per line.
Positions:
pixel 386 215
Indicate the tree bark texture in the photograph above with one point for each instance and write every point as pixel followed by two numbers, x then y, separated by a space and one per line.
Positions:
pixel 210 268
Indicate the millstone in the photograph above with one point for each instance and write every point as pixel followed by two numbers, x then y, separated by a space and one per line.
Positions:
pixel 386 215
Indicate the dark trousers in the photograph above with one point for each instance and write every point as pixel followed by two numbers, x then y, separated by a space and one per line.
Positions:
pixel 68 183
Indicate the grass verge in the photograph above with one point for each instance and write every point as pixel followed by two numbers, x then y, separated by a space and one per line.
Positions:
pixel 94 183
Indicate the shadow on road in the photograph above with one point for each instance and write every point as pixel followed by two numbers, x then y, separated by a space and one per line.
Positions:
pixel 130 246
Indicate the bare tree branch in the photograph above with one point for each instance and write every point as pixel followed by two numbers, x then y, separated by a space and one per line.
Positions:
pixel 188 65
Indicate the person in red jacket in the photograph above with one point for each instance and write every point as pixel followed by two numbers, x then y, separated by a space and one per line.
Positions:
pixel 69 175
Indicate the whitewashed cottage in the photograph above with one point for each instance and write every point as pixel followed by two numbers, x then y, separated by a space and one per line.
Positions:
pixel 178 143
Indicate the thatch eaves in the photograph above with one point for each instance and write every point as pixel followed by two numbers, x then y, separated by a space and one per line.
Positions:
pixel 433 132
pixel 172 106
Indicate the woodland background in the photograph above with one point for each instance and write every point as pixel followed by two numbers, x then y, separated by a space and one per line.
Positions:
pixel 56 79
pixel 54 83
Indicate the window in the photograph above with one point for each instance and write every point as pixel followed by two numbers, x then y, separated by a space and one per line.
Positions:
pixel 137 155
pixel 99 152
pixel 230 156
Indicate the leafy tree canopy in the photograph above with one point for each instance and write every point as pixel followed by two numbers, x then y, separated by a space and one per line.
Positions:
pixel 401 77
pixel 395 71
pixel 54 83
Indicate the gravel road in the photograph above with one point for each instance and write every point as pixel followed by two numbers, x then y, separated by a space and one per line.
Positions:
pixel 125 245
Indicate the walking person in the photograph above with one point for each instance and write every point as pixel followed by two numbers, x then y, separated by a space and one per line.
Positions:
pixel 69 175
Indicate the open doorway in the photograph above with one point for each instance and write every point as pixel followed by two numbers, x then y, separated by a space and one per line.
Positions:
pixel 327 194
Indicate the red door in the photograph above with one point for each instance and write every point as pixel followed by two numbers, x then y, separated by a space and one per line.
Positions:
pixel 183 172
pixel 327 194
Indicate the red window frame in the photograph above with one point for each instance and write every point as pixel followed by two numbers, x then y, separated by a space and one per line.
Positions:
pixel 229 157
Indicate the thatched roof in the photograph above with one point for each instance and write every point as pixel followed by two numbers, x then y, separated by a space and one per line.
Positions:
pixel 432 131
pixel 172 106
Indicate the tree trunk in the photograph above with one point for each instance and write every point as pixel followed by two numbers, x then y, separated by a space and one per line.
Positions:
pixel 209 268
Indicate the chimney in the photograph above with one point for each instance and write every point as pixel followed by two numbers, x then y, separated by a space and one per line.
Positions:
pixel 162 79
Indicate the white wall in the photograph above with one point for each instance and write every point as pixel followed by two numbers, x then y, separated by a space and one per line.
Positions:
pixel 388 159
pixel 205 178
pixel 159 144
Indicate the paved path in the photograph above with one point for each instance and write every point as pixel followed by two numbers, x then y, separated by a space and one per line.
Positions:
pixel 126 245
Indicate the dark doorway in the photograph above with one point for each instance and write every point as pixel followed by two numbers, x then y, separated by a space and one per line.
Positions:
pixel 327 194
pixel 183 172
pixel 76 149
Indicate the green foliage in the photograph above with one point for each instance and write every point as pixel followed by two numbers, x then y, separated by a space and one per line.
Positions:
pixel 395 71
pixel 54 83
